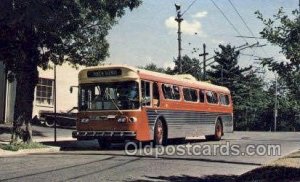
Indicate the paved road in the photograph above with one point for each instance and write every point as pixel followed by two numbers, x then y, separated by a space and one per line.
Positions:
pixel 39 132
pixel 83 161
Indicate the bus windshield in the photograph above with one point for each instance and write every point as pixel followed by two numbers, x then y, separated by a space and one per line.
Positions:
pixel 109 96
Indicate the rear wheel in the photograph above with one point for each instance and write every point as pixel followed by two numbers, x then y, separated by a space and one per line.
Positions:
pixel 218 131
pixel 160 135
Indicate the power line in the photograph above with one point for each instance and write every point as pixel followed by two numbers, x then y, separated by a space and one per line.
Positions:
pixel 246 25
pixel 228 20
pixel 237 12
pixel 189 7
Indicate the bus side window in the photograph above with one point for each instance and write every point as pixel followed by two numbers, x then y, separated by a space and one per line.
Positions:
pixel 224 99
pixel 212 97
pixel 146 99
pixel 227 101
pixel 201 96
pixel 155 95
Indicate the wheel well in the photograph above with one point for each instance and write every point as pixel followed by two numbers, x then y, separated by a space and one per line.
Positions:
pixel 220 119
pixel 163 120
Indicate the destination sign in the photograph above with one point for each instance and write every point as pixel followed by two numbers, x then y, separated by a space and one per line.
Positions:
pixel 104 73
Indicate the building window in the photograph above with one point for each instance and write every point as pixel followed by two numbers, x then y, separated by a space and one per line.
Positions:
pixel 44 91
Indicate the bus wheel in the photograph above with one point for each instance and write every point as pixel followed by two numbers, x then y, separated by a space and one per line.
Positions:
pixel 103 144
pixel 218 131
pixel 160 137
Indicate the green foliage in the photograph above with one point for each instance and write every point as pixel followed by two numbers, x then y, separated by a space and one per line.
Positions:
pixel 21 146
pixel 284 31
pixel 34 33
pixel 153 67
pixel 189 66
pixel 248 95
pixel 57 31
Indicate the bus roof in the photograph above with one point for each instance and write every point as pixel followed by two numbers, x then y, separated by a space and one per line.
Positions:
pixel 184 80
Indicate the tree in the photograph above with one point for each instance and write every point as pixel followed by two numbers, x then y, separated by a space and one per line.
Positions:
pixel 153 67
pixel 34 33
pixel 288 108
pixel 189 66
pixel 226 71
pixel 284 31
pixel 245 86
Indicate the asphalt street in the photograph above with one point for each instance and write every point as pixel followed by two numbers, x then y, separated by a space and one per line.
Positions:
pixel 84 161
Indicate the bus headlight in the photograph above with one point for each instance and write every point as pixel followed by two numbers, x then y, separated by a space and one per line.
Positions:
pixel 84 120
pixel 122 119
pixel 132 119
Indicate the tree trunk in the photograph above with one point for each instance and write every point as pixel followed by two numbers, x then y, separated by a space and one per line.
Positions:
pixel 27 78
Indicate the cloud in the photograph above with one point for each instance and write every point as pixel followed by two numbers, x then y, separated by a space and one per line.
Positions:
pixel 200 14
pixel 217 41
pixel 187 27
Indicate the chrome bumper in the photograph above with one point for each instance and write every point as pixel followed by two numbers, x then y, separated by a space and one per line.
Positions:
pixel 101 134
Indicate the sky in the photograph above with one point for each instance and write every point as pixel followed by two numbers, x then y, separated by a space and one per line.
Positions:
pixel 148 34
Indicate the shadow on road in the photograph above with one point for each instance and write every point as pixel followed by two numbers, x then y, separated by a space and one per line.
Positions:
pixel 268 173
pixel 91 148
pixel 92 145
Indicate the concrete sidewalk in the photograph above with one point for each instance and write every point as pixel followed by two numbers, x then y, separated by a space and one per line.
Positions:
pixel 41 134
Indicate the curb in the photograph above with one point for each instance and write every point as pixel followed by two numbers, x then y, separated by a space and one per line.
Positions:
pixel 48 149
pixel 22 152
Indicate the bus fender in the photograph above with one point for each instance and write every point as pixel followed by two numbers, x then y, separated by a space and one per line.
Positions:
pixel 163 119
pixel 219 118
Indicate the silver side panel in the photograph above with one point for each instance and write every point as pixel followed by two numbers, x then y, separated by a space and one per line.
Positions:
pixel 189 123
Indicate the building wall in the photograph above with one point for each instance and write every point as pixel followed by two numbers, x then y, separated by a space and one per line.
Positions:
pixel 66 76
pixel 2 92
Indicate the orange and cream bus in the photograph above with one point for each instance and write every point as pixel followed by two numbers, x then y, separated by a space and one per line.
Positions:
pixel 119 103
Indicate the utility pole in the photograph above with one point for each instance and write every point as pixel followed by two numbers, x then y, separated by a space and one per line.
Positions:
pixel 179 19
pixel 204 54
pixel 222 74
pixel 54 99
pixel 276 105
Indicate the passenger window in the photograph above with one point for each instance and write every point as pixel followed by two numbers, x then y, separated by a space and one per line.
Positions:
pixel 155 95
pixel 227 101
pixel 176 93
pixel 190 94
pixel 224 99
pixel 146 99
pixel 171 92
pixel 201 95
pixel 212 97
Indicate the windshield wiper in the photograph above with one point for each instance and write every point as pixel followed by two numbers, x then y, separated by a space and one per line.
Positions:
pixel 113 102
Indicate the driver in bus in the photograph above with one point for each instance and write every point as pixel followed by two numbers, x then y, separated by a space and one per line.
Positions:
pixel 128 96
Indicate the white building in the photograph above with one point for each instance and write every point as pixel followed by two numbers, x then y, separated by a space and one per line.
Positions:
pixel 66 76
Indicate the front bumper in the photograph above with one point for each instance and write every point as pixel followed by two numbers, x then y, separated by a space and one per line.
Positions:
pixel 89 135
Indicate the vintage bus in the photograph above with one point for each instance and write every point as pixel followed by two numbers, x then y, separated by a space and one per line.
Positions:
pixel 120 103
